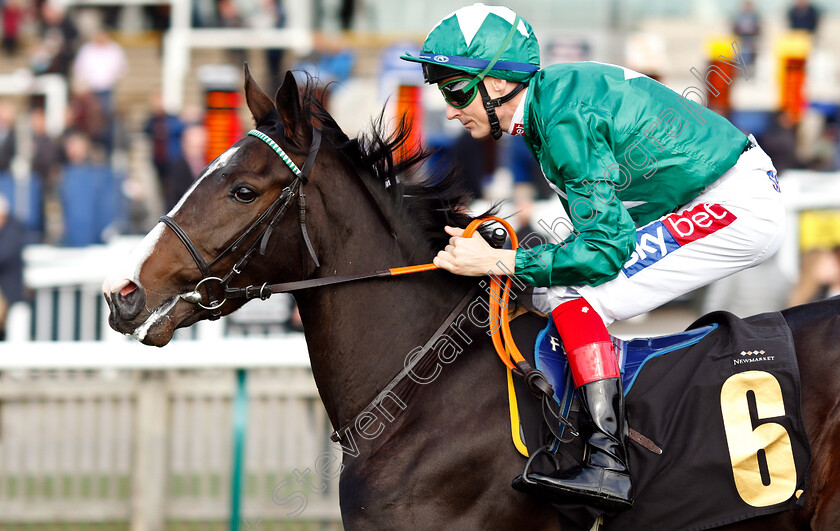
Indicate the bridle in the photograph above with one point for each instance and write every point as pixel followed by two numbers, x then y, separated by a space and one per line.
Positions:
pixel 274 213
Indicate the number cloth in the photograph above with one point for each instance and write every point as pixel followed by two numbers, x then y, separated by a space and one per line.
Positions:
pixel 726 413
pixel 722 401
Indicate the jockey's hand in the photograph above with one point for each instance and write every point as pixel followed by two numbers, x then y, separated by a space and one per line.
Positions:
pixel 473 256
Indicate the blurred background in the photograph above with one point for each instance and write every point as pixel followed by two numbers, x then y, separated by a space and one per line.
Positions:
pixel 110 109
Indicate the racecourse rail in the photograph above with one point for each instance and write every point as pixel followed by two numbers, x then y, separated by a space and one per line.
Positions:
pixel 114 431
pixel 67 304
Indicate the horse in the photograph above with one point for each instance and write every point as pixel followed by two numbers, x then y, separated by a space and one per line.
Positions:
pixel 441 457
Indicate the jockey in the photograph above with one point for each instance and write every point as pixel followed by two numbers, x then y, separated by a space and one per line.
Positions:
pixel 664 197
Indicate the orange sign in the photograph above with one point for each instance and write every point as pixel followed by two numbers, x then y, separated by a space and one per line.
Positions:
pixel 409 104
pixel 222 122
pixel 792 50
pixel 792 97
pixel 719 92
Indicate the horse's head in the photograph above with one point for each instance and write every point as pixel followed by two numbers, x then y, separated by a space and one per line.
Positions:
pixel 248 218
pixel 245 203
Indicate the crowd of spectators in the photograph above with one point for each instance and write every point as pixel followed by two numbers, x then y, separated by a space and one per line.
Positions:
pixel 76 184
pixel 82 160
pixel 82 45
pixel 46 38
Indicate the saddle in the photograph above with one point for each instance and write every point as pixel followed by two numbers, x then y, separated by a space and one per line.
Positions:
pixel 716 429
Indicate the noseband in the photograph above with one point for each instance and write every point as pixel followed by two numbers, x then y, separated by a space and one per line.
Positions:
pixel 274 213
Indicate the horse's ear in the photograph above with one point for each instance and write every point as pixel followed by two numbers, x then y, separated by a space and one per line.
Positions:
pixel 260 105
pixel 291 113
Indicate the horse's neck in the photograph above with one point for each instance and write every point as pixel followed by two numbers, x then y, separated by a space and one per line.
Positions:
pixel 359 334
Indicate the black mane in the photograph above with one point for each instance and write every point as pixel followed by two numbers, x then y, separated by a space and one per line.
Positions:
pixel 427 198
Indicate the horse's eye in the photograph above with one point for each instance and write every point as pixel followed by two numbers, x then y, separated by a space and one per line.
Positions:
pixel 243 194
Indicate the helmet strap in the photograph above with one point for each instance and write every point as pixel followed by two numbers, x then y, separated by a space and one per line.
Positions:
pixel 491 104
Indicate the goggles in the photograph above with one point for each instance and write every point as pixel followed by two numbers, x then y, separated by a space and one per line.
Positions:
pixel 459 92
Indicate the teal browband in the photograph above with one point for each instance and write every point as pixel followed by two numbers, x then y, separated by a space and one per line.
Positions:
pixel 277 149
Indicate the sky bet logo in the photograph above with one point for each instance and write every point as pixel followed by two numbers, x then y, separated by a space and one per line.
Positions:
pixel 656 240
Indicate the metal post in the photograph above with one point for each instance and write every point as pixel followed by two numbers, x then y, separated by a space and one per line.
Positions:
pixel 240 425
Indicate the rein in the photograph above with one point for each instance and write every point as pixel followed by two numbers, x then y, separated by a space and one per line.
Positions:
pixel 267 290
pixel 502 341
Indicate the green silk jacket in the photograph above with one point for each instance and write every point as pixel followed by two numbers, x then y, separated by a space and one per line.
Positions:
pixel 621 150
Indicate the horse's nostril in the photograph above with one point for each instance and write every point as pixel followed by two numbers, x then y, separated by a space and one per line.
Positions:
pixel 128 289
pixel 129 301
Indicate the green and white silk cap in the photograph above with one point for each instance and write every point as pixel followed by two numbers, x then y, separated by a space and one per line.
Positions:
pixel 480 40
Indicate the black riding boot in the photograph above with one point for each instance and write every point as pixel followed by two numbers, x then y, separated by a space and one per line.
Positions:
pixel 603 481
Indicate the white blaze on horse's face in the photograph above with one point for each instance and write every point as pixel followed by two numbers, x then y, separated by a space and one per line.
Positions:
pixel 122 287
pixel 220 161
pixel 129 269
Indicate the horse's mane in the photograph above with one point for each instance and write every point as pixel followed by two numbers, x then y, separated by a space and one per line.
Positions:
pixel 407 186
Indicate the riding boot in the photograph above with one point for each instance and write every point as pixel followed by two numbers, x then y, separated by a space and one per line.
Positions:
pixel 603 480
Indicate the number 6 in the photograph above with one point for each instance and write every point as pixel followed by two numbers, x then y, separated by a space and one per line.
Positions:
pixel 745 443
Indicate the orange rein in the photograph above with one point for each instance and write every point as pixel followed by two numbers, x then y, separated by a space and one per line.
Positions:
pixel 505 347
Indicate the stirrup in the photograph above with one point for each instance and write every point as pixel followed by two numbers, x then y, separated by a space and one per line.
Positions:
pixel 601 502
pixel 524 476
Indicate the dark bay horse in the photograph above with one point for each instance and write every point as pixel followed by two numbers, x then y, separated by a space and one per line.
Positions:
pixel 444 460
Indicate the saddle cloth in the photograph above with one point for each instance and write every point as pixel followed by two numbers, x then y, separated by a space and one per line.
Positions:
pixel 722 402
pixel 551 358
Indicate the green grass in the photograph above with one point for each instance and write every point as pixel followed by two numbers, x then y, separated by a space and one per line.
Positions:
pixel 89 487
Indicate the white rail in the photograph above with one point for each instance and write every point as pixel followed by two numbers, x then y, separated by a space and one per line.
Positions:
pixel 120 432
pixel 68 303
pixel 251 353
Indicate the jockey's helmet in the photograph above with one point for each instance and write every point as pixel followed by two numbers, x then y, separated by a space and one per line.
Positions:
pixel 480 40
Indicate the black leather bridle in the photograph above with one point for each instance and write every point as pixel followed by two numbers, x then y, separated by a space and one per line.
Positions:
pixel 274 213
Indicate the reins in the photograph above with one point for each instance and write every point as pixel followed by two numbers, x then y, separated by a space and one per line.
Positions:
pixel 499 302
pixel 500 333
pixel 267 290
